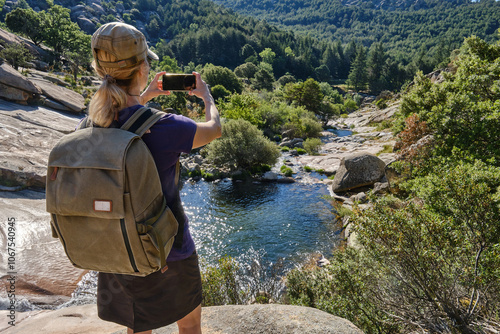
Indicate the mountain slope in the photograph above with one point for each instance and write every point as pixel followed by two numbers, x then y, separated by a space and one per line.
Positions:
pixel 403 26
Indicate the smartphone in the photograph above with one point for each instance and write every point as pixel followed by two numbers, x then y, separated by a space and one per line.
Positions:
pixel 178 82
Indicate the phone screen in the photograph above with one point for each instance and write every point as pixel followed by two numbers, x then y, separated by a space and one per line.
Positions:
pixel 178 82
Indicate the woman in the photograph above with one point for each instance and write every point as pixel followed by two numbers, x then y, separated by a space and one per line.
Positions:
pixel 122 59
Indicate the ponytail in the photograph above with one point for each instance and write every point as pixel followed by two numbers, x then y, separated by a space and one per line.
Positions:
pixel 111 96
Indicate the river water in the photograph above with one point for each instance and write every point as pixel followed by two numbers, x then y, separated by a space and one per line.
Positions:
pixel 289 221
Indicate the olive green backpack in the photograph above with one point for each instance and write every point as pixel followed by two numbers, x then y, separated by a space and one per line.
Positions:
pixel 106 201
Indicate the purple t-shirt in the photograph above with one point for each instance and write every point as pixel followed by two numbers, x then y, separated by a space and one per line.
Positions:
pixel 169 137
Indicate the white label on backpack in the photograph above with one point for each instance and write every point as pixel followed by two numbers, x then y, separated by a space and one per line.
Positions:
pixel 102 206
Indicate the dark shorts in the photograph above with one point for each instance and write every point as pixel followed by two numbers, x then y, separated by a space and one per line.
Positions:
pixel 154 301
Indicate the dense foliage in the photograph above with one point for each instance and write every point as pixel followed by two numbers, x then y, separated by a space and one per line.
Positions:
pixel 429 259
pixel 54 28
pixel 402 26
pixel 463 112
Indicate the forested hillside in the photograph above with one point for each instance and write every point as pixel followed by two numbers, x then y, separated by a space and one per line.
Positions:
pixel 404 27
pixel 197 32
pixel 373 45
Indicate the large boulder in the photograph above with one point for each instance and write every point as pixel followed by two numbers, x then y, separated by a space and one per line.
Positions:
pixel 73 101
pixel 14 94
pixel 98 9
pixel 14 86
pixel 358 170
pixel 86 25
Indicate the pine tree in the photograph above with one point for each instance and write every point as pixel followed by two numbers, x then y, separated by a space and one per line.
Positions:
pixel 358 77
pixel 376 68
pixel 331 59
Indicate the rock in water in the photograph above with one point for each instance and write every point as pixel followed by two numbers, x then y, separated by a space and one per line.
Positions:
pixel 358 170
pixel 270 176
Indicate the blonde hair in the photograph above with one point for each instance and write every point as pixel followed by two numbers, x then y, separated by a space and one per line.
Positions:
pixel 111 96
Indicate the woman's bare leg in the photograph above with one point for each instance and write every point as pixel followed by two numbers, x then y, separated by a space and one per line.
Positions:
pixel 191 323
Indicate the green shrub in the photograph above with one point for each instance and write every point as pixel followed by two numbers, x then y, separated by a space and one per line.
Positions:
pixel 358 99
pixel 219 75
pixel 220 92
pixel 16 55
pixel 448 248
pixel 210 176
pixel 194 173
pixel 228 282
pixel 381 104
pixel 243 106
pixel 385 124
pixel 302 124
pixel 311 127
pixel 312 145
pixel 387 149
pixel 350 105
pixel 220 284
pixel 308 169
pixel 287 171
pixel 301 151
pixel 285 148
pixel 242 146
pixel 246 70
pixel 261 169
pixel 342 289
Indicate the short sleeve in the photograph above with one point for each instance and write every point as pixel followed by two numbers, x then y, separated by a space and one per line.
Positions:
pixel 172 133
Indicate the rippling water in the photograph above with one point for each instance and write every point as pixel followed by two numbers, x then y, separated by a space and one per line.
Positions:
pixel 287 221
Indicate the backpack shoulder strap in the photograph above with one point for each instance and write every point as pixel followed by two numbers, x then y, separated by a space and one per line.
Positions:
pixel 85 123
pixel 142 120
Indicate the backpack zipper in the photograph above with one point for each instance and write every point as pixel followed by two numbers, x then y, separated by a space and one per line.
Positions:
pixel 127 245
pixel 54 219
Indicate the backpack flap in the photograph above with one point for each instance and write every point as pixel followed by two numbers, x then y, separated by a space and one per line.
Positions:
pixel 86 173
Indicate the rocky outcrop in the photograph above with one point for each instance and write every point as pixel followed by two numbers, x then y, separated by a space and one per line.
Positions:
pixel 370 115
pixel 86 24
pixel 358 170
pixel 38 87
pixel 228 319
pixel 70 100
pixel 9 38
pixel 27 134
pixel 292 143
pixel 15 87
pixel 84 16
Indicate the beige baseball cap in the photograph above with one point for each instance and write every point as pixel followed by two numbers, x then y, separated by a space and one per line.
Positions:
pixel 124 42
